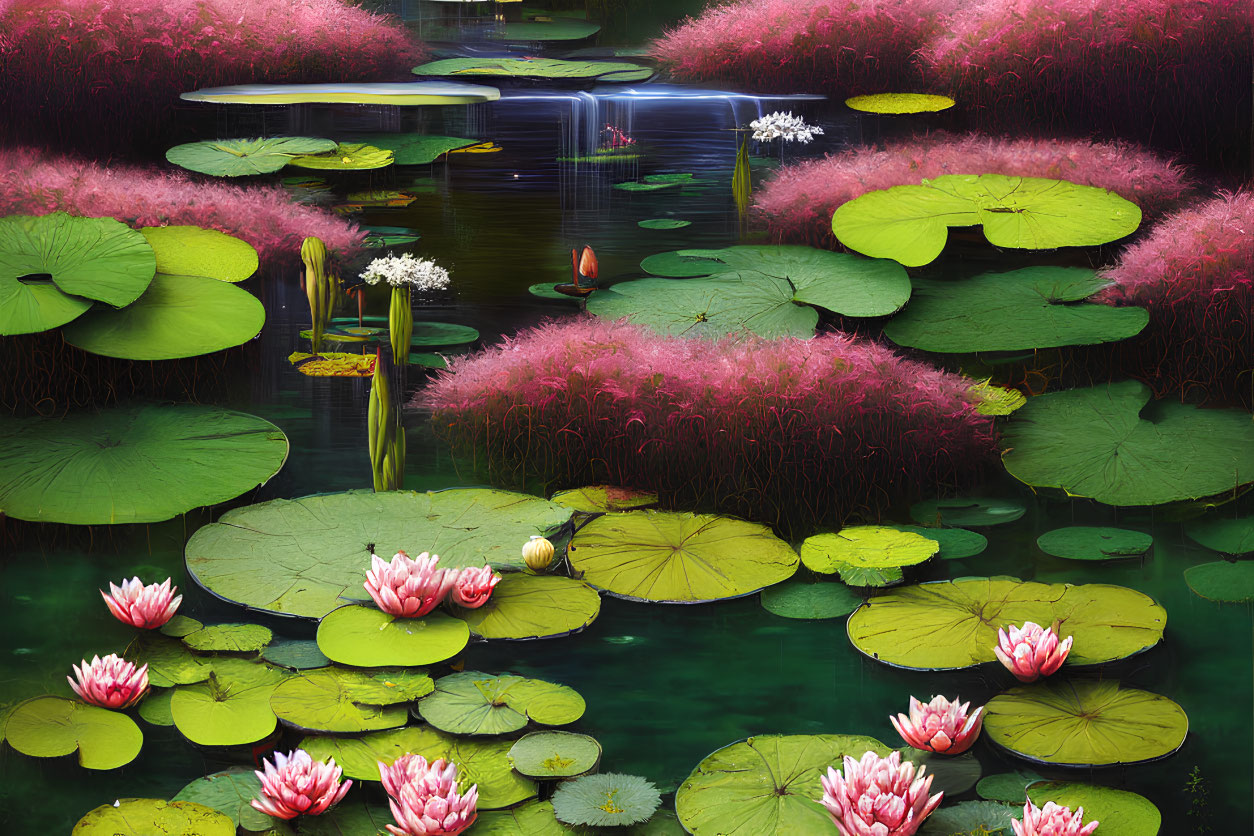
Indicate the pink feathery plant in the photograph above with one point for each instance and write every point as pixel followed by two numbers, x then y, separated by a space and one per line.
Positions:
pixel 408 587
pixel 1031 651
pixel 473 587
pixel 145 607
pixel 940 726
pixel 878 796
pixel 424 797
pixel 1052 820
pixel 34 182
pixel 111 682
pixel 297 785
pixel 799 200
pixel 790 432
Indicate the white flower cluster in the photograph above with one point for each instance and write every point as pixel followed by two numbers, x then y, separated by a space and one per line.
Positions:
pixel 785 126
pixel 417 273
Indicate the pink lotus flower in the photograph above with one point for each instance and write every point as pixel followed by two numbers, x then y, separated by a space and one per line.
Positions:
pixel 878 796
pixel 408 587
pixel 146 607
pixel 424 798
pixel 111 682
pixel 297 785
pixel 1031 651
pixel 940 726
pixel 1052 820
pixel 474 586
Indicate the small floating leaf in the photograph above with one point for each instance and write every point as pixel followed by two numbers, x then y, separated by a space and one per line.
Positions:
pixel 229 792
pixel 1222 580
pixel 603 498
pixel 48 727
pixel 478 703
pixel 555 754
pixel 1082 542
pixel 898 103
pixel 1234 535
pixel 244 157
pixel 1121 813
pixel 798 599
pixel 866 555
pixel 525 606
pixel 368 637
pixel 230 638
pixel 966 510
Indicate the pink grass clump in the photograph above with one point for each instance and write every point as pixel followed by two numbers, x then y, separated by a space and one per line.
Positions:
pixel 1194 272
pixel 792 432
pixel 36 183
pixel 799 200
pixel 804 45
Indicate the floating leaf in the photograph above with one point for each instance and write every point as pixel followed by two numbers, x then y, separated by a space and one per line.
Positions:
pixel 969 818
pixel 679 558
pixel 966 510
pixel 606 800
pixel 1120 813
pixel 340 700
pixel 663 223
pixel 995 400
pixel 48 727
pixel 557 29
pixel 413 149
pixel 194 251
pixel 555 754
pixel 386 93
pixel 1009 787
pixel 955 543
pixel 428 361
pixel 1234 535
pixel 243 157
pixel 333 364
pixel 229 638
pixel 478 703
pixel 535 68
pixel 368 637
pixel 353 816
pixel 231 707
pixel 952 774
pixel 295 654
pixel 603 498
pixel 133 464
pixel 302 556
pixel 798 599
pixel 179 626
pixel 1222 580
pixel 1085 723
pixel 347 156
pixel 169 661
pixel 1112 444
pixel 229 792
pixel 442 333
pixel 866 555
pixel 154 816
pixel 898 103
pixel 1083 542
pixel 535 818
pixel 953 624
pixel 155 707
pixel 525 606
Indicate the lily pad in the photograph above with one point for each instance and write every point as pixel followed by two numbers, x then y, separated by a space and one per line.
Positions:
pixel 295 654
pixel 353 816
pixel 333 364
pixel 428 361
pixel 995 400
pixel 1083 542
pixel 340 700
pixel 471 702
pixel 178 316
pixel 953 624
pixel 535 818
pixel 545 290
pixel 1112 444
pixel 1085 723
pixel 48 727
pixel 1121 813
pixel 604 498
pixel 557 29
pixel 1008 787
pixel 302 556
pixel 663 223
pixel 555 754
pixel 347 156
pixel 194 251
pixel 231 707
pixel 169 661
pixel 53 265
pixel 955 543
pixel 798 599
pixel 1036 307
pixel 766 785
pixel 133 464
pixel 386 93
pixel 525 606
pixel 413 149
pixel 679 558
pixel 155 707
pixel 229 638
pixel 244 157
pixel 155 816
pixel 607 799
pixel 866 555
pixel 229 792
pixel 179 626
pixel 899 103
pixel 953 774
pixel 969 818
pixel 368 637
pixel 535 68
pixel 442 333
pixel 966 511
pixel 1222 580
pixel 1234 535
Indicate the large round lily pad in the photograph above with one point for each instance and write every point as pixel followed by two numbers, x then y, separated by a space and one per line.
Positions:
pixel 471 702
pixel 133 464
pixel 368 637
pixel 535 68
pixel 1036 307
pixel 798 599
pixel 679 558
pixel 53 265
pixel 178 316
pixel 48 727
pixel 966 510
pixel 347 156
pixel 1085 723
pixel 555 754
pixel 596 499
pixel 525 606
pixel 1233 535
pixel 193 251
pixel 301 556
pixel 766 785
pixel 955 543
pixel 1085 542
pixel 413 149
pixel 1112 444
pixel 866 555
pixel 340 700
pixel 953 624
pixel 231 707
pixel 243 157
pixel 1222 580
pixel 899 103
pixel 387 93
pixel 1121 813
pixel 229 792
pixel 154 816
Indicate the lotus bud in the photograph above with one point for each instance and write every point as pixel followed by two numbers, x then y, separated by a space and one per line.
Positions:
pixel 537 553
pixel 1031 651
pixel 940 726
pixel 146 607
pixel 473 587
pixel 111 682
pixel 877 796
pixel 1052 820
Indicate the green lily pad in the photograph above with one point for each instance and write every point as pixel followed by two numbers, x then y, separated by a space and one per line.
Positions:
pixel 663 223
pixel 898 103
pixel 1085 723
pixel 193 251
pixel 169 661
pixel 229 792
pixel 1234 535
pixel 911 223
pixel 442 333
pixel 1083 542
pixel 866 555
pixel 969 818
pixel 52 265
pixel 133 464
pixel 555 754
pixel 155 707
pixel 607 799
pixel 154 816
pixel 766 785
pixel 635 186
pixel 178 316
pixel 354 816
pixel 1112 444
pixel 478 703
pixel 953 774
pixel 683 264
pixel 525 606
pixel 604 498
pixel 342 700
pixel 955 543
pixel 179 626
pixel 229 638
pixel 545 290
pixel 428 361
pixel 995 400
pixel 413 149
pixel 295 654
pixel 347 156
pixel 1121 813
pixel 535 818
pixel 1222 580
pixel 676 177
pixel 535 68
pixel 966 510
pixel 1007 787
pixel 231 707
pixel 799 599
pixel 679 558
pixel 953 624
pixel 244 157
pixel 49 727
pixel 301 556
pixel 361 755
pixel 368 637
pixel 404 94
pixel 1035 307
pixel 557 29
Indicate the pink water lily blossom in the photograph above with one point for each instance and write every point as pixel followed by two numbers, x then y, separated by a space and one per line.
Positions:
pixel 408 587
pixel 297 785
pixel 940 726
pixel 111 682
pixel 1031 651
pixel 878 796
pixel 474 586
pixel 424 797
pixel 1052 820
pixel 146 607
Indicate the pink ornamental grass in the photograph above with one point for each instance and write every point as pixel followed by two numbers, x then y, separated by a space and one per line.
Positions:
pixel 145 607
pixel 297 785
pixel 111 682
pixel 878 796
pixel 790 432
pixel 1052 820
pixel 34 182
pixel 799 200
